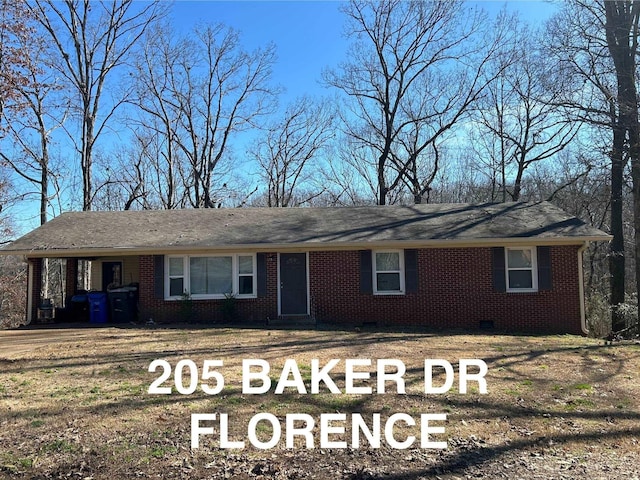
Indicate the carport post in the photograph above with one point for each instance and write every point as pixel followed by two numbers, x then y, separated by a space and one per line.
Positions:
pixel 71 280
pixel 34 289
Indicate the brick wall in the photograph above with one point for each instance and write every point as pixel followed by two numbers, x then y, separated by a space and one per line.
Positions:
pixel 455 291
pixel 254 310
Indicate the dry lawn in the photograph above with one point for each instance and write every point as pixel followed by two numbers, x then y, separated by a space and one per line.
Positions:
pixel 74 403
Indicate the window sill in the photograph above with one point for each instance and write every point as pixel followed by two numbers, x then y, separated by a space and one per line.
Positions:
pixel 210 297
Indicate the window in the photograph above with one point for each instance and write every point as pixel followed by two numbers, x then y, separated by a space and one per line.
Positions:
pixel 215 276
pixel 246 274
pixel 521 269
pixel 388 272
pixel 211 275
pixel 176 276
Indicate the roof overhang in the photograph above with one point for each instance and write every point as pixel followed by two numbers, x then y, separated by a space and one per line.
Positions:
pixel 98 234
pixel 305 246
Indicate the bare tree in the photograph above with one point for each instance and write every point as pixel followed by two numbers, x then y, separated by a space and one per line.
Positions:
pixel 28 143
pixel 597 43
pixel 19 82
pixel 29 131
pixel 577 42
pixel 123 183
pixel 136 176
pixel 621 27
pixel 197 92
pixel 288 148
pixel 521 114
pixel 91 40
pixel 414 70
pixel 6 221
pixel 349 179
pixel 157 127
pixel 16 65
pixel 25 147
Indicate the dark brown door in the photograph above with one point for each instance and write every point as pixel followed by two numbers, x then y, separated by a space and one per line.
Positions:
pixel 293 284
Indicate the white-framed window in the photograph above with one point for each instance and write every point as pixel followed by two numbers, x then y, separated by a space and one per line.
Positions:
pixel 175 277
pixel 246 275
pixel 521 269
pixel 210 276
pixel 388 272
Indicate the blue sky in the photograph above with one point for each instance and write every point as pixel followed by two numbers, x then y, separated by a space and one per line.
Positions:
pixel 308 34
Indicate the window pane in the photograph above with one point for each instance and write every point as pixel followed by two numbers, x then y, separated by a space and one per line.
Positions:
pixel 519 258
pixel 245 265
pixel 219 275
pixel 210 275
pixel 388 282
pixel 176 287
pixel 245 285
pixel 176 267
pixel 387 261
pixel 520 279
pixel 197 275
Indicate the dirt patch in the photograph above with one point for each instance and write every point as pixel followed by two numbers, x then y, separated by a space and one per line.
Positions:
pixel 75 404
pixel 17 342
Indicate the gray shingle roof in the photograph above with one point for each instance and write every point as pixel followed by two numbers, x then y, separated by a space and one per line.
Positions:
pixel 154 231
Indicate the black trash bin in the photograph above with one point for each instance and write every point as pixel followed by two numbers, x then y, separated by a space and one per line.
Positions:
pixel 79 308
pixel 123 304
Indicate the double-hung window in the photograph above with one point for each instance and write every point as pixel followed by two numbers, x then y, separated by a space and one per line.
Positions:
pixel 176 276
pixel 521 269
pixel 388 272
pixel 246 275
pixel 211 276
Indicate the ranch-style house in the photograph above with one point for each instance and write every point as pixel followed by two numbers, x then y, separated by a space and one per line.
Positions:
pixel 514 267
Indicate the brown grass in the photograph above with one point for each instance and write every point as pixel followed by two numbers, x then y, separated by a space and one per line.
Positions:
pixel 74 404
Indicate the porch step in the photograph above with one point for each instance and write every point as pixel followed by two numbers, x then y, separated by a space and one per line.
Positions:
pixel 292 320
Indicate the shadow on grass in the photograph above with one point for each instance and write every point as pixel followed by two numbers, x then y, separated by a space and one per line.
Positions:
pixel 614 422
pixel 462 460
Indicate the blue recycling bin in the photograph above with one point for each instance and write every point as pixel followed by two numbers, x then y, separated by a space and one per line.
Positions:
pixel 98 311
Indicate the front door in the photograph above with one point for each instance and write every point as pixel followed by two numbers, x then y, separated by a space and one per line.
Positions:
pixel 293 284
pixel 111 275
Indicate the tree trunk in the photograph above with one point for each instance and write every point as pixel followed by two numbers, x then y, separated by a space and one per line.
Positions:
pixel 86 161
pixel 635 176
pixel 616 248
pixel 382 187
pixel 622 37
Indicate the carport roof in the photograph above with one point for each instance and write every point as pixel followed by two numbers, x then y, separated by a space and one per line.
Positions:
pixel 91 234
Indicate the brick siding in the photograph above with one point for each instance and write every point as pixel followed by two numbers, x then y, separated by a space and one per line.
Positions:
pixel 455 291
pixel 253 310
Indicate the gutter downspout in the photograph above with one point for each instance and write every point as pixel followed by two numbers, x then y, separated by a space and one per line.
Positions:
pixel 583 317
